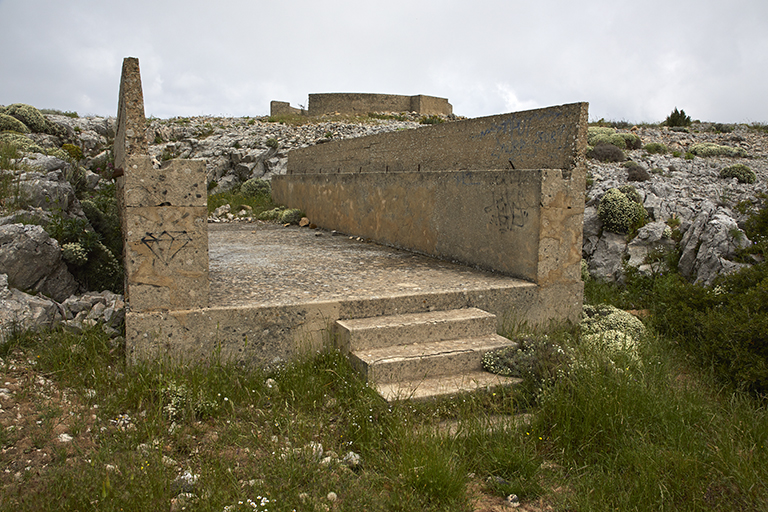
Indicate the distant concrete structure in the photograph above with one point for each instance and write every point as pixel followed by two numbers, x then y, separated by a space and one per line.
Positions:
pixel 363 103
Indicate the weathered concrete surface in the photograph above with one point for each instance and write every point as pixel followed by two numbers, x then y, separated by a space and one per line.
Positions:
pixel 278 290
pixel 363 103
pixel 380 332
pixel 504 193
pixel 548 138
pixel 491 219
pixel 163 213
pixel 131 123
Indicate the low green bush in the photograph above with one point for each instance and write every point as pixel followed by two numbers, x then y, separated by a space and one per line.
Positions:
pixel 739 171
pixel 636 172
pixel 606 153
pixel 256 187
pixel 272 214
pixel 74 152
pixel 656 148
pixel 31 117
pixel 291 216
pixel 9 123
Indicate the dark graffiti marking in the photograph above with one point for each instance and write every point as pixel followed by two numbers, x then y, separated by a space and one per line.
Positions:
pixel 504 214
pixel 166 245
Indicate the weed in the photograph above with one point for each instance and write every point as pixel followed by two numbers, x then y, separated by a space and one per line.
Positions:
pixel 273 143
pixel 431 120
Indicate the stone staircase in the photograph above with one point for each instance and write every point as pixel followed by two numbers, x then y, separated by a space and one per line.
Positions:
pixel 421 355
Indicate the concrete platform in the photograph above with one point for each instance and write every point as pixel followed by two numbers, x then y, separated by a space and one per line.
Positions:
pixel 266 264
pixel 276 291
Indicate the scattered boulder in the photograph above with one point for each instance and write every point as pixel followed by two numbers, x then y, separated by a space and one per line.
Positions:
pixel 32 261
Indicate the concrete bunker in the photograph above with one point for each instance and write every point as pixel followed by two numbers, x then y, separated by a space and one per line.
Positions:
pixel 503 193
pixel 363 103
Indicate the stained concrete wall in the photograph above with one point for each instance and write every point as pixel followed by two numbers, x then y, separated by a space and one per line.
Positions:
pixel 549 138
pixel 163 213
pixel 283 108
pixel 504 193
pixel 363 103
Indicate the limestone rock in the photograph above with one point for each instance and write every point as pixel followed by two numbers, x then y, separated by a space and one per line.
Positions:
pixel 606 262
pixel 19 310
pixel 651 239
pixel 51 192
pixel 32 261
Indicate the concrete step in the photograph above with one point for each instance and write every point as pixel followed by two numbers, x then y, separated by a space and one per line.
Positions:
pixel 404 329
pixel 446 385
pixel 419 361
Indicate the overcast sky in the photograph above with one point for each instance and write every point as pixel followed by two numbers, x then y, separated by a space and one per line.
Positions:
pixel 631 60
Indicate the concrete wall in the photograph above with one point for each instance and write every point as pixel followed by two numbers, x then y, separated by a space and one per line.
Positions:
pixel 363 103
pixel 283 108
pixel 549 138
pixel 163 213
pixel 258 336
pixel 504 193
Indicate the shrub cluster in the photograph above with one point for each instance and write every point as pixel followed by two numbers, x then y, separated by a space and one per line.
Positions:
pixel 739 171
pixel 620 213
pixel 705 149
pixel 636 172
pixel 534 359
pixel 31 118
pixel 597 135
pixel 256 187
pixel 91 247
pixel 283 215
pixel 9 123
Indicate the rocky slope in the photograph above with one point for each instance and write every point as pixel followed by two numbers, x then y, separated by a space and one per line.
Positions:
pixel 689 207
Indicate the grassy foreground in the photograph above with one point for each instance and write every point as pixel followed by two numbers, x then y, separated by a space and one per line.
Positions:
pixel 81 430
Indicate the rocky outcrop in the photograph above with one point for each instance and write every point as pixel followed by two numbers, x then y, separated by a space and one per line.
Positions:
pixel 686 197
pixel 32 261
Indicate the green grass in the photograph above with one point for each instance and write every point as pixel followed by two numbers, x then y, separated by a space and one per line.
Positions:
pixel 604 435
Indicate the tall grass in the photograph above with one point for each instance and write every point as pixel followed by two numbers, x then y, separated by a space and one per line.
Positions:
pixel 603 433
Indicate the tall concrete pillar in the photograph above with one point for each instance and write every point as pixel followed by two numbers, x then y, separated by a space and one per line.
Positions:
pixel 163 214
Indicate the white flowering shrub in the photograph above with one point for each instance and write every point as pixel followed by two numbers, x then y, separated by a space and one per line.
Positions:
pixel 534 359
pixel 705 149
pixel 74 254
pixel 619 213
pixel 611 331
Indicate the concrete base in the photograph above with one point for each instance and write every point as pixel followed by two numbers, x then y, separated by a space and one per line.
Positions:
pixel 277 291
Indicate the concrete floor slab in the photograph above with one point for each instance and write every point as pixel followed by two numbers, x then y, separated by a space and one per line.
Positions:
pixel 266 264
